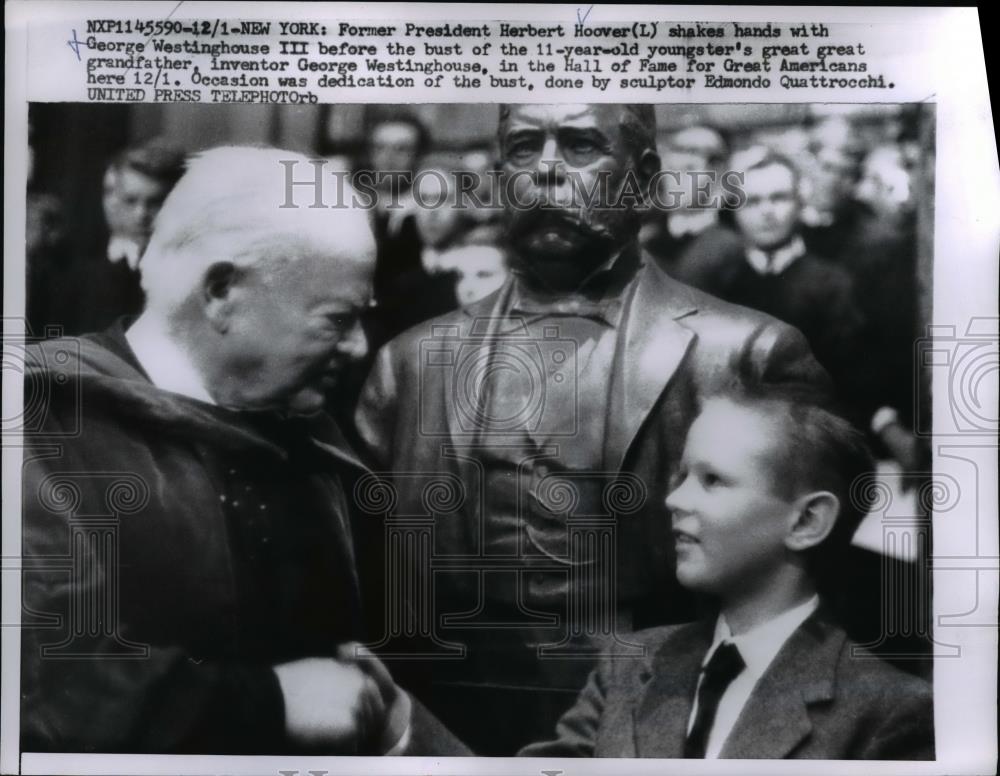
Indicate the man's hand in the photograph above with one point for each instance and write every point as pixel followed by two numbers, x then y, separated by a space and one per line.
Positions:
pixel 395 733
pixel 329 704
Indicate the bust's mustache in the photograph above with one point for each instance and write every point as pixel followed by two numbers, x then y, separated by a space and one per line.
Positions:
pixel 543 212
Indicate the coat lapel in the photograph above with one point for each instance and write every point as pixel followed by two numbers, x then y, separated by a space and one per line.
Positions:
pixel 776 719
pixel 484 323
pixel 651 347
pixel 661 715
pixel 329 438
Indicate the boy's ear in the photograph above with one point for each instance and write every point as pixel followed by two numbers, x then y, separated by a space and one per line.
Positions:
pixel 815 515
pixel 217 291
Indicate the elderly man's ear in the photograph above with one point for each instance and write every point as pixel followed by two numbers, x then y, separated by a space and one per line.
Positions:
pixel 218 289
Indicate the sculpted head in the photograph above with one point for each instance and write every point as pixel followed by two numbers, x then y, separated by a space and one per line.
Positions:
pixel 574 178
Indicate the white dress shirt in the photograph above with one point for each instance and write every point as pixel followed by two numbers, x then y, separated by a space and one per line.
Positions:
pixel 681 223
pixel 164 361
pixel 776 262
pixel 758 648
pixel 171 369
pixel 124 249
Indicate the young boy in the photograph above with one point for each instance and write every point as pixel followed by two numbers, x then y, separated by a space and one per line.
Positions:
pixel 761 509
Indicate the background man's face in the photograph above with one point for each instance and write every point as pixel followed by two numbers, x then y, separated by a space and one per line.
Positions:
pixel 884 185
pixel 691 150
pixel 292 332
pixel 131 202
pixel 832 180
pixel 480 273
pixel 437 216
pixel 770 215
pixel 394 147
pixel 694 148
pixel 553 157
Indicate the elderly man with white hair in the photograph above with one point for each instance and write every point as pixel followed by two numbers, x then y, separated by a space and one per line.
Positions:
pixel 206 598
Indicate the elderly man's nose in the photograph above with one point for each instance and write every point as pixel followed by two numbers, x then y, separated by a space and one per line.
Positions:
pixel 355 343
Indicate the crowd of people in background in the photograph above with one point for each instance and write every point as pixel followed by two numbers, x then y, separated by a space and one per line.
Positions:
pixel 825 240
pixel 79 291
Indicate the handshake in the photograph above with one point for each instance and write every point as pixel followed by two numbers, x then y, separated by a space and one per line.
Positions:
pixel 344 705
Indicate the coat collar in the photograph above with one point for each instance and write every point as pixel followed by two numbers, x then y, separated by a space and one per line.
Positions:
pixel 651 346
pixel 662 712
pixel 776 718
pixel 111 380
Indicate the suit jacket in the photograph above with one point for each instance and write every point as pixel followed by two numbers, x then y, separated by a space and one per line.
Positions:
pixel 821 698
pixel 675 346
pixel 698 260
pixel 221 544
pixel 817 297
pixel 231 552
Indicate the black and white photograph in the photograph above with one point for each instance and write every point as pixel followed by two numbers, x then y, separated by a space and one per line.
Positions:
pixel 489 427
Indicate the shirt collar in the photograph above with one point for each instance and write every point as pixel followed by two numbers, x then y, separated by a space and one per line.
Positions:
pixel 777 261
pixel 164 361
pixel 405 207
pixel 681 223
pixel 436 262
pixel 759 646
pixel 600 296
pixel 817 218
pixel 124 248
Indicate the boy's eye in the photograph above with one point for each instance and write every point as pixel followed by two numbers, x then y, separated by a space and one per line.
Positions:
pixel 710 479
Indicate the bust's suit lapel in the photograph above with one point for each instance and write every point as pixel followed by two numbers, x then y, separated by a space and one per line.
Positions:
pixel 651 347
pixel 471 339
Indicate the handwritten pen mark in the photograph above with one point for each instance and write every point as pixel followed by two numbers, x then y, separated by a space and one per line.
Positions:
pixel 175 9
pixel 584 19
pixel 75 45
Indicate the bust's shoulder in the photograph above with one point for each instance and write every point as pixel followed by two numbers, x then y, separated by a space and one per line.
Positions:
pixel 458 324
pixel 700 311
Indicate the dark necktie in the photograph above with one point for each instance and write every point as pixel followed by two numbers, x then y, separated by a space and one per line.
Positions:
pixel 724 666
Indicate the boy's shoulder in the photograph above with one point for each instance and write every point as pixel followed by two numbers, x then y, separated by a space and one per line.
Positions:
pixel 625 661
pixel 820 638
pixel 862 671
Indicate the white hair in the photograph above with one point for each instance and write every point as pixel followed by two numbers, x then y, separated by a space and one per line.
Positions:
pixel 232 204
